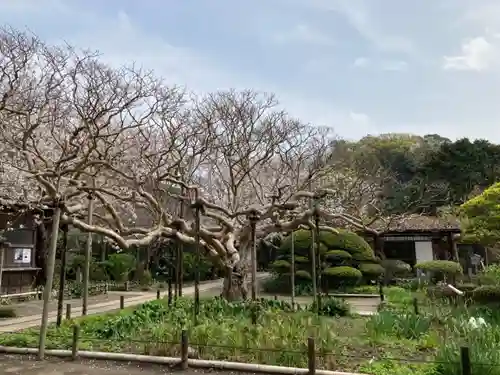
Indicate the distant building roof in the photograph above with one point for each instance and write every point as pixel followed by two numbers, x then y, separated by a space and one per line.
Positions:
pixel 417 223
pixel 407 224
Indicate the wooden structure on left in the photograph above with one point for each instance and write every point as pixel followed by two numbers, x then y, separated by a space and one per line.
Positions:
pixel 18 248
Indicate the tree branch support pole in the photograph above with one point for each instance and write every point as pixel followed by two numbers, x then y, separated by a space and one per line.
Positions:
pixel 88 257
pixel 3 246
pixel 318 250
pixel 62 275
pixel 180 253
pixel 292 273
pixel 254 217
pixel 198 206
pixel 47 292
pixel 313 259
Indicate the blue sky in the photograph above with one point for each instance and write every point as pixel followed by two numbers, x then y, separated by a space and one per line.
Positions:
pixel 361 67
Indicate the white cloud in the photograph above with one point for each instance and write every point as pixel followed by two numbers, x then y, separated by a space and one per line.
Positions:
pixel 359 15
pixel 478 54
pixel 303 34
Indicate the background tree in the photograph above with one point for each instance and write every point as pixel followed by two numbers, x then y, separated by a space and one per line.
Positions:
pixel 482 222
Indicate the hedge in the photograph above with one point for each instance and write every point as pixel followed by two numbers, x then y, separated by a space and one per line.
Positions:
pixel 447 267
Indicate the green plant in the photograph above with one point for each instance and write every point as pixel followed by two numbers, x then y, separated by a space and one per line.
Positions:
pixel 371 271
pixel 490 275
pixel 338 255
pixel 120 265
pixel 394 268
pixel 341 276
pixel 331 306
pixel 403 326
pixel 338 250
pixel 441 269
pixel 487 294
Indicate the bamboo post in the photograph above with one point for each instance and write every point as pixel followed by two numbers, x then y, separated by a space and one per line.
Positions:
pixel 465 361
pixel 184 349
pixel 47 291
pixel 318 250
pixel 62 276
pixel 88 257
pixel 3 245
pixel 292 274
pixel 313 258
pixel 68 311
pixel 254 218
pixel 198 207
pixel 180 253
pixel 311 356
pixel 74 346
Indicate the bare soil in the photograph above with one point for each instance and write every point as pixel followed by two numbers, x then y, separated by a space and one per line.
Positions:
pixel 25 365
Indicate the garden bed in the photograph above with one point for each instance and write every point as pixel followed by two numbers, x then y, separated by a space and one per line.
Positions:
pixel 396 341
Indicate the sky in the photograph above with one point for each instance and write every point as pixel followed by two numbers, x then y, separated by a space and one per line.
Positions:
pixel 359 66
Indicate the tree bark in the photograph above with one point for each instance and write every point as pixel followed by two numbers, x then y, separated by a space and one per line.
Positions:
pixel 236 280
pixel 47 292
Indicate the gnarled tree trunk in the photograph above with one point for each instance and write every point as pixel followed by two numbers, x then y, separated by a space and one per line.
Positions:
pixel 237 278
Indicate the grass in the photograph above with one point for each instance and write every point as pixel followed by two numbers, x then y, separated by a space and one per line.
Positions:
pixel 396 341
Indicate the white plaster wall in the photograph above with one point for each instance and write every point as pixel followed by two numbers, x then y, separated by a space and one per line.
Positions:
pixel 423 251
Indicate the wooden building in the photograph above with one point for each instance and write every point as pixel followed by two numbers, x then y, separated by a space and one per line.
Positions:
pixel 18 247
pixel 416 238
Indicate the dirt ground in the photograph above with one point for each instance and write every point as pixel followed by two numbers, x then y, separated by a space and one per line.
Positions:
pixel 24 365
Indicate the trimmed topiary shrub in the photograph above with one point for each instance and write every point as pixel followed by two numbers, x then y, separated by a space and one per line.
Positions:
pixel 490 275
pixel 371 271
pixel 394 268
pixel 343 250
pixel 441 269
pixel 281 266
pixel 487 294
pixel 338 255
pixel 302 274
pixel 341 276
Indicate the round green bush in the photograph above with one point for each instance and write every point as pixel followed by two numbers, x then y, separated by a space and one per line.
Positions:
pixel 301 259
pixel 338 255
pixel 486 294
pixel 372 270
pixel 395 266
pixel 281 265
pixel 343 272
pixel 446 267
pixel 349 241
pixel 302 274
pixel 490 275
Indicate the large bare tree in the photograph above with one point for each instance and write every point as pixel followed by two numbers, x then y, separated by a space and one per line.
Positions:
pixel 74 129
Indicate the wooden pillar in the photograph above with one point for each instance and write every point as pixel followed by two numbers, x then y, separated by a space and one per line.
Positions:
pixel 378 244
pixel 452 247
